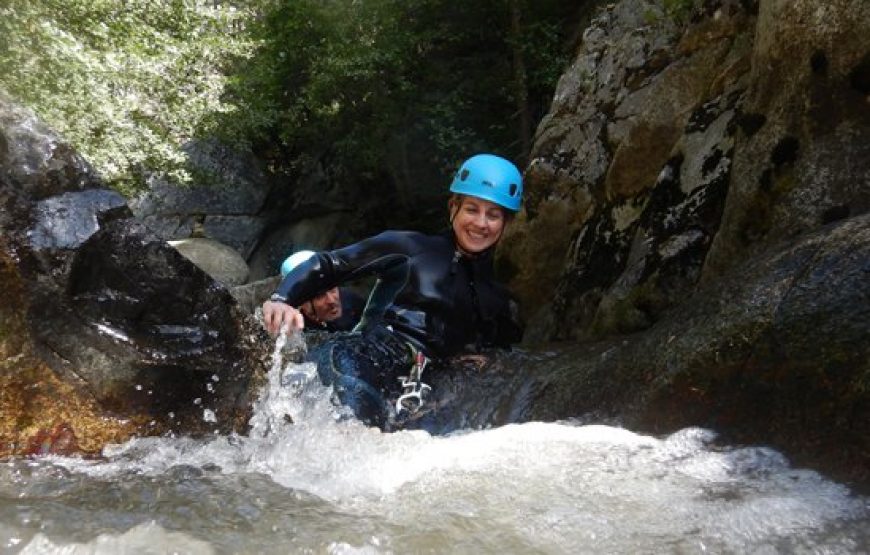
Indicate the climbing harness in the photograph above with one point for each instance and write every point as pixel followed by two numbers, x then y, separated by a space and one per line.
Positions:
pixel 411 399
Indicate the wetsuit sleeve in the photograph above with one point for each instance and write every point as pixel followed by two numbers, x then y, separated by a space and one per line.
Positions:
pixel 379 256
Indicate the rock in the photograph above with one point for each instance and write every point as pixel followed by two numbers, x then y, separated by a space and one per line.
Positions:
pixel 68 220
pixel 60 441
pixel 31 157
pixel 242 233
pixel 107 331
pixel 725 106
pixel 802 158
pixel 284 240
pixel 711 177
pixel 670 238
pixel 237 185
pixel 637 149
pixel 228 204
pixel 532 254
pixel 220 261
pixel 252 295
pixel 774 352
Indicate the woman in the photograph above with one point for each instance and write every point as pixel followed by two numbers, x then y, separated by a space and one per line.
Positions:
pixel 435 296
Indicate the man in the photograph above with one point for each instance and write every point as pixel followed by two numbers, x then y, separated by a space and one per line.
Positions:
pixel 332 310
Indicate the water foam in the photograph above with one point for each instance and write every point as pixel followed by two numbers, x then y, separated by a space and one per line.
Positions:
pixel 144 539
pixel 540 486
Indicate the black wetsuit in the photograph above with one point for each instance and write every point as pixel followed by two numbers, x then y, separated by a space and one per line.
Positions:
pixel 428 298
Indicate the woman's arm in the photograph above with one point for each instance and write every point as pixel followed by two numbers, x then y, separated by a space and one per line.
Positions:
pixel 383 255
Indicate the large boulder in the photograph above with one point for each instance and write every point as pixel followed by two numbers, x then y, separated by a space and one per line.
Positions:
pixel 221 262
pixel 775 351
pixel 676 147
pixel 698 199
pixel 802 158
pixel 630 169
pixel 107 331
pixel 226 204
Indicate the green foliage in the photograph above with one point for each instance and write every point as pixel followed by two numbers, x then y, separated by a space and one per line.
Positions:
pixel 126 83
pixel 353 82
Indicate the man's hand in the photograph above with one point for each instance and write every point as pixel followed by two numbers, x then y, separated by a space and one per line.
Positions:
pixel 277 314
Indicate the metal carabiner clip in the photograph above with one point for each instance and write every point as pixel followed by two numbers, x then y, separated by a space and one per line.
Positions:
pixel 412 401
pixel 412 398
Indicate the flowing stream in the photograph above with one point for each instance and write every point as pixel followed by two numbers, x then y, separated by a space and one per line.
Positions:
pixel 308 479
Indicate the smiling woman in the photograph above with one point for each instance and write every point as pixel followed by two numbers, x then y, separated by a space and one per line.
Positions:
pixel 435 297
pixel 487 190
pixel 477 223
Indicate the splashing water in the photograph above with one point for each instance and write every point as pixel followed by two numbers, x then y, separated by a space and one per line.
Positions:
pixel 310 478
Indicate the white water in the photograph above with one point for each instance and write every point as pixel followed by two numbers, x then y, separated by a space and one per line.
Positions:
pixel 327 484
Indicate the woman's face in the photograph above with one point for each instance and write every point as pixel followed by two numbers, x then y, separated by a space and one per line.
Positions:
pixel 477 223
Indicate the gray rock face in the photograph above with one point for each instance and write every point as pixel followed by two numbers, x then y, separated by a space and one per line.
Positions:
pixel 710 180
pixel 31 155
pixel 229 208
pixel 774 351
pixel 675 150
pixel 107 331
pixel 803 158
pixel 252 295
pixel 221 262
pixel 238 185
pixel 638 149
pixel 281 242
pixel 68 220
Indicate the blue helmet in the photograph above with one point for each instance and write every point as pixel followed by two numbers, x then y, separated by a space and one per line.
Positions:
pixel 294 260
pixel 491 178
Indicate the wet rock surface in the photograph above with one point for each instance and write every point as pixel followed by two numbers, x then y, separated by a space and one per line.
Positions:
pixel 710 175
pixel 775 352
pixel 107 331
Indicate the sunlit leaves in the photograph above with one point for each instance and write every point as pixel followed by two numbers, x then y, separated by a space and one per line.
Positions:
pixel 125 81
pixel 128 82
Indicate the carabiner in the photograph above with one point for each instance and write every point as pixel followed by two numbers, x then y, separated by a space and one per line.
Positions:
pixel 412 401
pixel 412 398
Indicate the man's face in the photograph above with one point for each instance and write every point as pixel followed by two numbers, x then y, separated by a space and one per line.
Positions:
pixel 325 307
